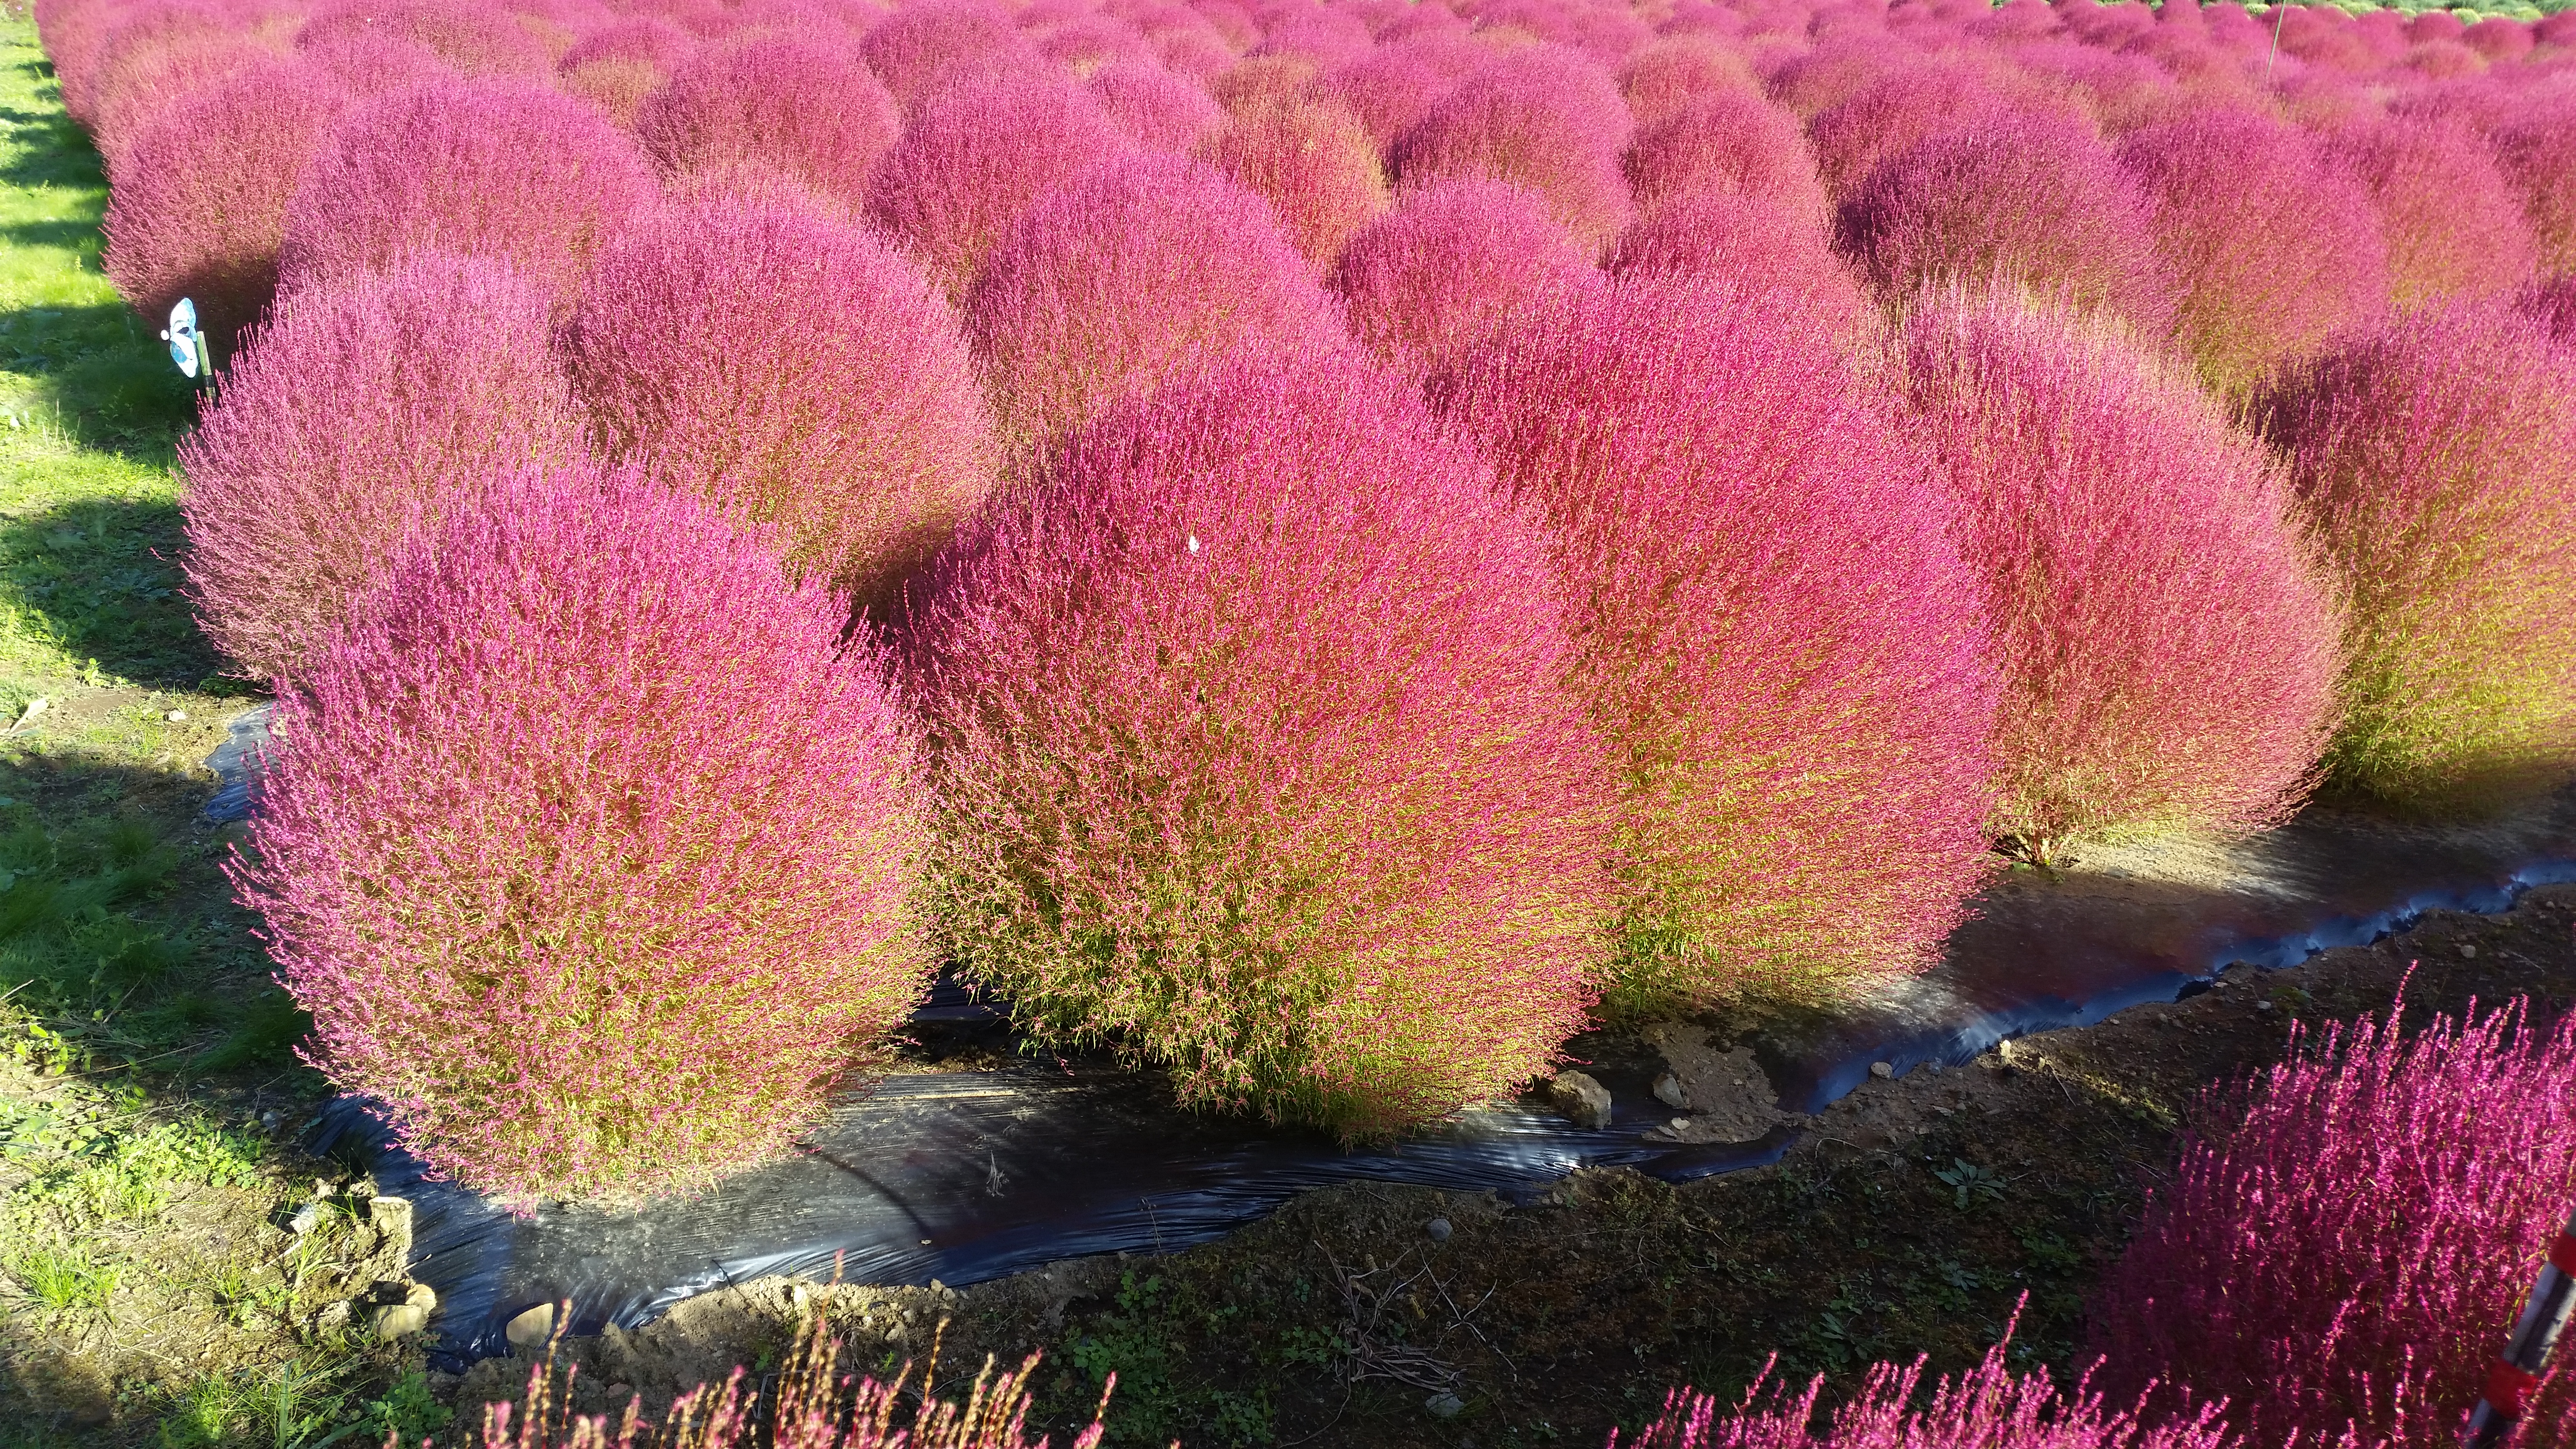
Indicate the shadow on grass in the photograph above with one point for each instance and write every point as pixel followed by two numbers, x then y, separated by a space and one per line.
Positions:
pixel 101 573
pixel 103 377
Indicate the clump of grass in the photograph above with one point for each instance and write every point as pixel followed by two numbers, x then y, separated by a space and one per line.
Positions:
pixel 65 1277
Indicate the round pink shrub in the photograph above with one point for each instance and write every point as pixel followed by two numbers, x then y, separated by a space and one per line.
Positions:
pixel 794 371
pixel 199 205
pixel 1314 164
pixel 2375 1213
pixel 975 159
pixel 2019 198
pixel 2454 226
pixel 1772 628
pixel 476 39
pixel 2167 637
pixel 808 108
pixel 2438 457
pixel 1753 248
pixel 1122 277
pixel 1544 118
pixel 1084 46
pixel 1155 107
pixel 1815 81
pixel 134 41
pixel 616 66
pixel 2537 150
pixel 366 64
pixel 570 950
pixel 1892 113
pixel 1453 262
pixel 354 411
pixel 2275 247
pixel 913 49
pixel 1393 86
pixel 1263 80
pixel 1666 76
pixel 163 81
pixel 478 168
pixel 1252 758
pixel 1729 142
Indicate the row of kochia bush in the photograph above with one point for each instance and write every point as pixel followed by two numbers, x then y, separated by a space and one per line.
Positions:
pixel 1333 668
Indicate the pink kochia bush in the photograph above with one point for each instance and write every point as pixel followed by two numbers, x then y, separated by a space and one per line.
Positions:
pixel 1544 118
pixel 809 109
pixel 2274 246
pixel 1988 1407
pixel 482 168
pixel 1453 261
pixel 199 205
pixel 1315 166
pixel 1728 142
pixel 572 950
pixel 1119 279
pixel 2373 1211
pixel 2438 457
pixel 355 411
pixel 1772 629
pixel 1253 759
pixel 2167 638
pixel 2021 198
pixel 975 159
pixel 2454 225
pixel 1755 247
pixel 793 370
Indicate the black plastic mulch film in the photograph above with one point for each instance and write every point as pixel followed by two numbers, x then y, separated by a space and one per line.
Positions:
pixel 967 1176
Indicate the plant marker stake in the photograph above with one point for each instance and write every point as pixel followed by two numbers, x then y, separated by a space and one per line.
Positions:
pixel 2526 1353
pixel 2280 13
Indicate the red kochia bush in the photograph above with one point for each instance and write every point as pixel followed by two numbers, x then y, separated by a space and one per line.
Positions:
pixel 572 950
pixel 616 66
pixel 2373 1211
pixel 1729 142
pixel 2274 246
pixel 1451 263
pixel 2439 457
pixel 2166 636
pixel 2537 149
pixel 1772 628
pixel 2454 225
pixel 2553 302
pixel 1253 759
pixel 1119 278
pixel 199 205
pixel 477 39
pixel 793 370
pixel 1545 118
pixel 975 158
pixel 1753 246
pixel 355 409
pixel 919 47
pixel 1661 79
pixel 2022 198
pixel 481 168
pixel 1155 107
pixel 808 108
pixel 1315 166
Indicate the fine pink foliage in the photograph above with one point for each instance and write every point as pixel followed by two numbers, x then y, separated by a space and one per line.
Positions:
pixel 1392 86
pixel 1545 118
pixel 973 161
pixel 2537 149
pixel 571 950
pixel 367 63
pixel 806 107
pixel 914 50
pixel 2274 246
pixel 616 66
pixel 350 412
pixel 1120 278
pixel 1753 247
pixel 1893 112
pixel 1252 759
pixel 1773 629
pixel 1450 264
pixel 2167 638
pixel 2553 302
pixel 474 167
pixel 2438 455
pixel 199 205
pixel 1728 142
pixel 1988 1407
pixel 2021 198
pixel 1662 78
pixel 2373 1210
pixel 476 39
pixel 1315 165
pixel 164 81
pixel 794 371
pixel 1155 107
pixel 2454 225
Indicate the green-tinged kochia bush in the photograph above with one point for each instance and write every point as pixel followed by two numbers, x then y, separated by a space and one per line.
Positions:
pixel 2166 634
pixel 1252 756
pixel 587 843
pixel 1772 628
pixel 351 413
pixel 2438 457
pixel 793 369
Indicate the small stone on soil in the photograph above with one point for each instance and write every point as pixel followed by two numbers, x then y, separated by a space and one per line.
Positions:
pixel 1445 1406
pixel 2468 952
pixel 1884 1071
pixel 532 1328
pixel 1438 1229
pixel 1580 1099
pixel 1668 1090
